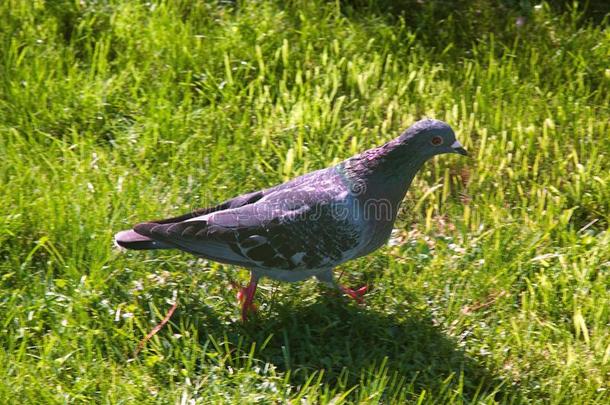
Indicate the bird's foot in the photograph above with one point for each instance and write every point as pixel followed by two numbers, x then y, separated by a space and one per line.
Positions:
pixel 355 294
pixel 246 297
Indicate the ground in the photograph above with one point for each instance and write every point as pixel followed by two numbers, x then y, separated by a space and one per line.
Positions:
pixel 493 288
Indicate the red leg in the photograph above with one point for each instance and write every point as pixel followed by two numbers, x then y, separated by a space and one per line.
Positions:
pixel 246 297
pixel 355 294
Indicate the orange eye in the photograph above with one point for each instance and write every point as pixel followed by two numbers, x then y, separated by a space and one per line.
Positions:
pixel 437 140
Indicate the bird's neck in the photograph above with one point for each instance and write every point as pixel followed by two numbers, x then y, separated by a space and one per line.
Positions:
pixel 385 172
pixel 378 180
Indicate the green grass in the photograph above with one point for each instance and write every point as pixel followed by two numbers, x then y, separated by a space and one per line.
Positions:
pixel 495 287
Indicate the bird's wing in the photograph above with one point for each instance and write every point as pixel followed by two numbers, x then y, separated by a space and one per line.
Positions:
pixel 244 199
pixel 236 202
pixel 292 228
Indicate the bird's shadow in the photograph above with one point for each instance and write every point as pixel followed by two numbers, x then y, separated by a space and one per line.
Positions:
pixel 350 342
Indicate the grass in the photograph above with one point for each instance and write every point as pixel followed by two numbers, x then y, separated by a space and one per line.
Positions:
pixel 495 287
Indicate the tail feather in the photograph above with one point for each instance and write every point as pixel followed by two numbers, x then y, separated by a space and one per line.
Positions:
pixel 132 240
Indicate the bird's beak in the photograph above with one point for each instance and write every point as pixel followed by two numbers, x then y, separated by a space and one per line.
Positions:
pixel 458 148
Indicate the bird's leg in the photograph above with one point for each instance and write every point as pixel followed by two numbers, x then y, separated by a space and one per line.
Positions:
pixel 327 278
pixel 246 297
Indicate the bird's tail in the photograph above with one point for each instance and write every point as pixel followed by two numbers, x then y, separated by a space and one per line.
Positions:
pixel 132 240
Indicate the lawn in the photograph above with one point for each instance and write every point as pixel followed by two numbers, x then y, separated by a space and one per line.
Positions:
pixel 494 288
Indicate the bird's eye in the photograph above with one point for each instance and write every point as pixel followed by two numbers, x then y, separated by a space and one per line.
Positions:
pixel 437 140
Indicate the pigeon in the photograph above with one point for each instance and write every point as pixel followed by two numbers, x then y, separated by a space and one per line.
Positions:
pixel 309 225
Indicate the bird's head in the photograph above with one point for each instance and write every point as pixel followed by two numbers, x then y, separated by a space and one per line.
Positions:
pixel 402 157
pixel 431 137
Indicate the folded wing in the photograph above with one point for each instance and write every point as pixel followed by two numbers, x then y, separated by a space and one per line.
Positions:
pixel 288 231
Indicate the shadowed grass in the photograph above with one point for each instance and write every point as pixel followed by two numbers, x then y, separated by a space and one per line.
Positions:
pixel 494 287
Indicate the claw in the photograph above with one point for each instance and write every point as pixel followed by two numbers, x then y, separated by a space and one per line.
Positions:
pixel 355 294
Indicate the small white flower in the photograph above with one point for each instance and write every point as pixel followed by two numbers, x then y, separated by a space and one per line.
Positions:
pixel 456 248
pixel 138 285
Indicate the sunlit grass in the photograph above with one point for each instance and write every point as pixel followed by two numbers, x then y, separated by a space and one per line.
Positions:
pixel 495 286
